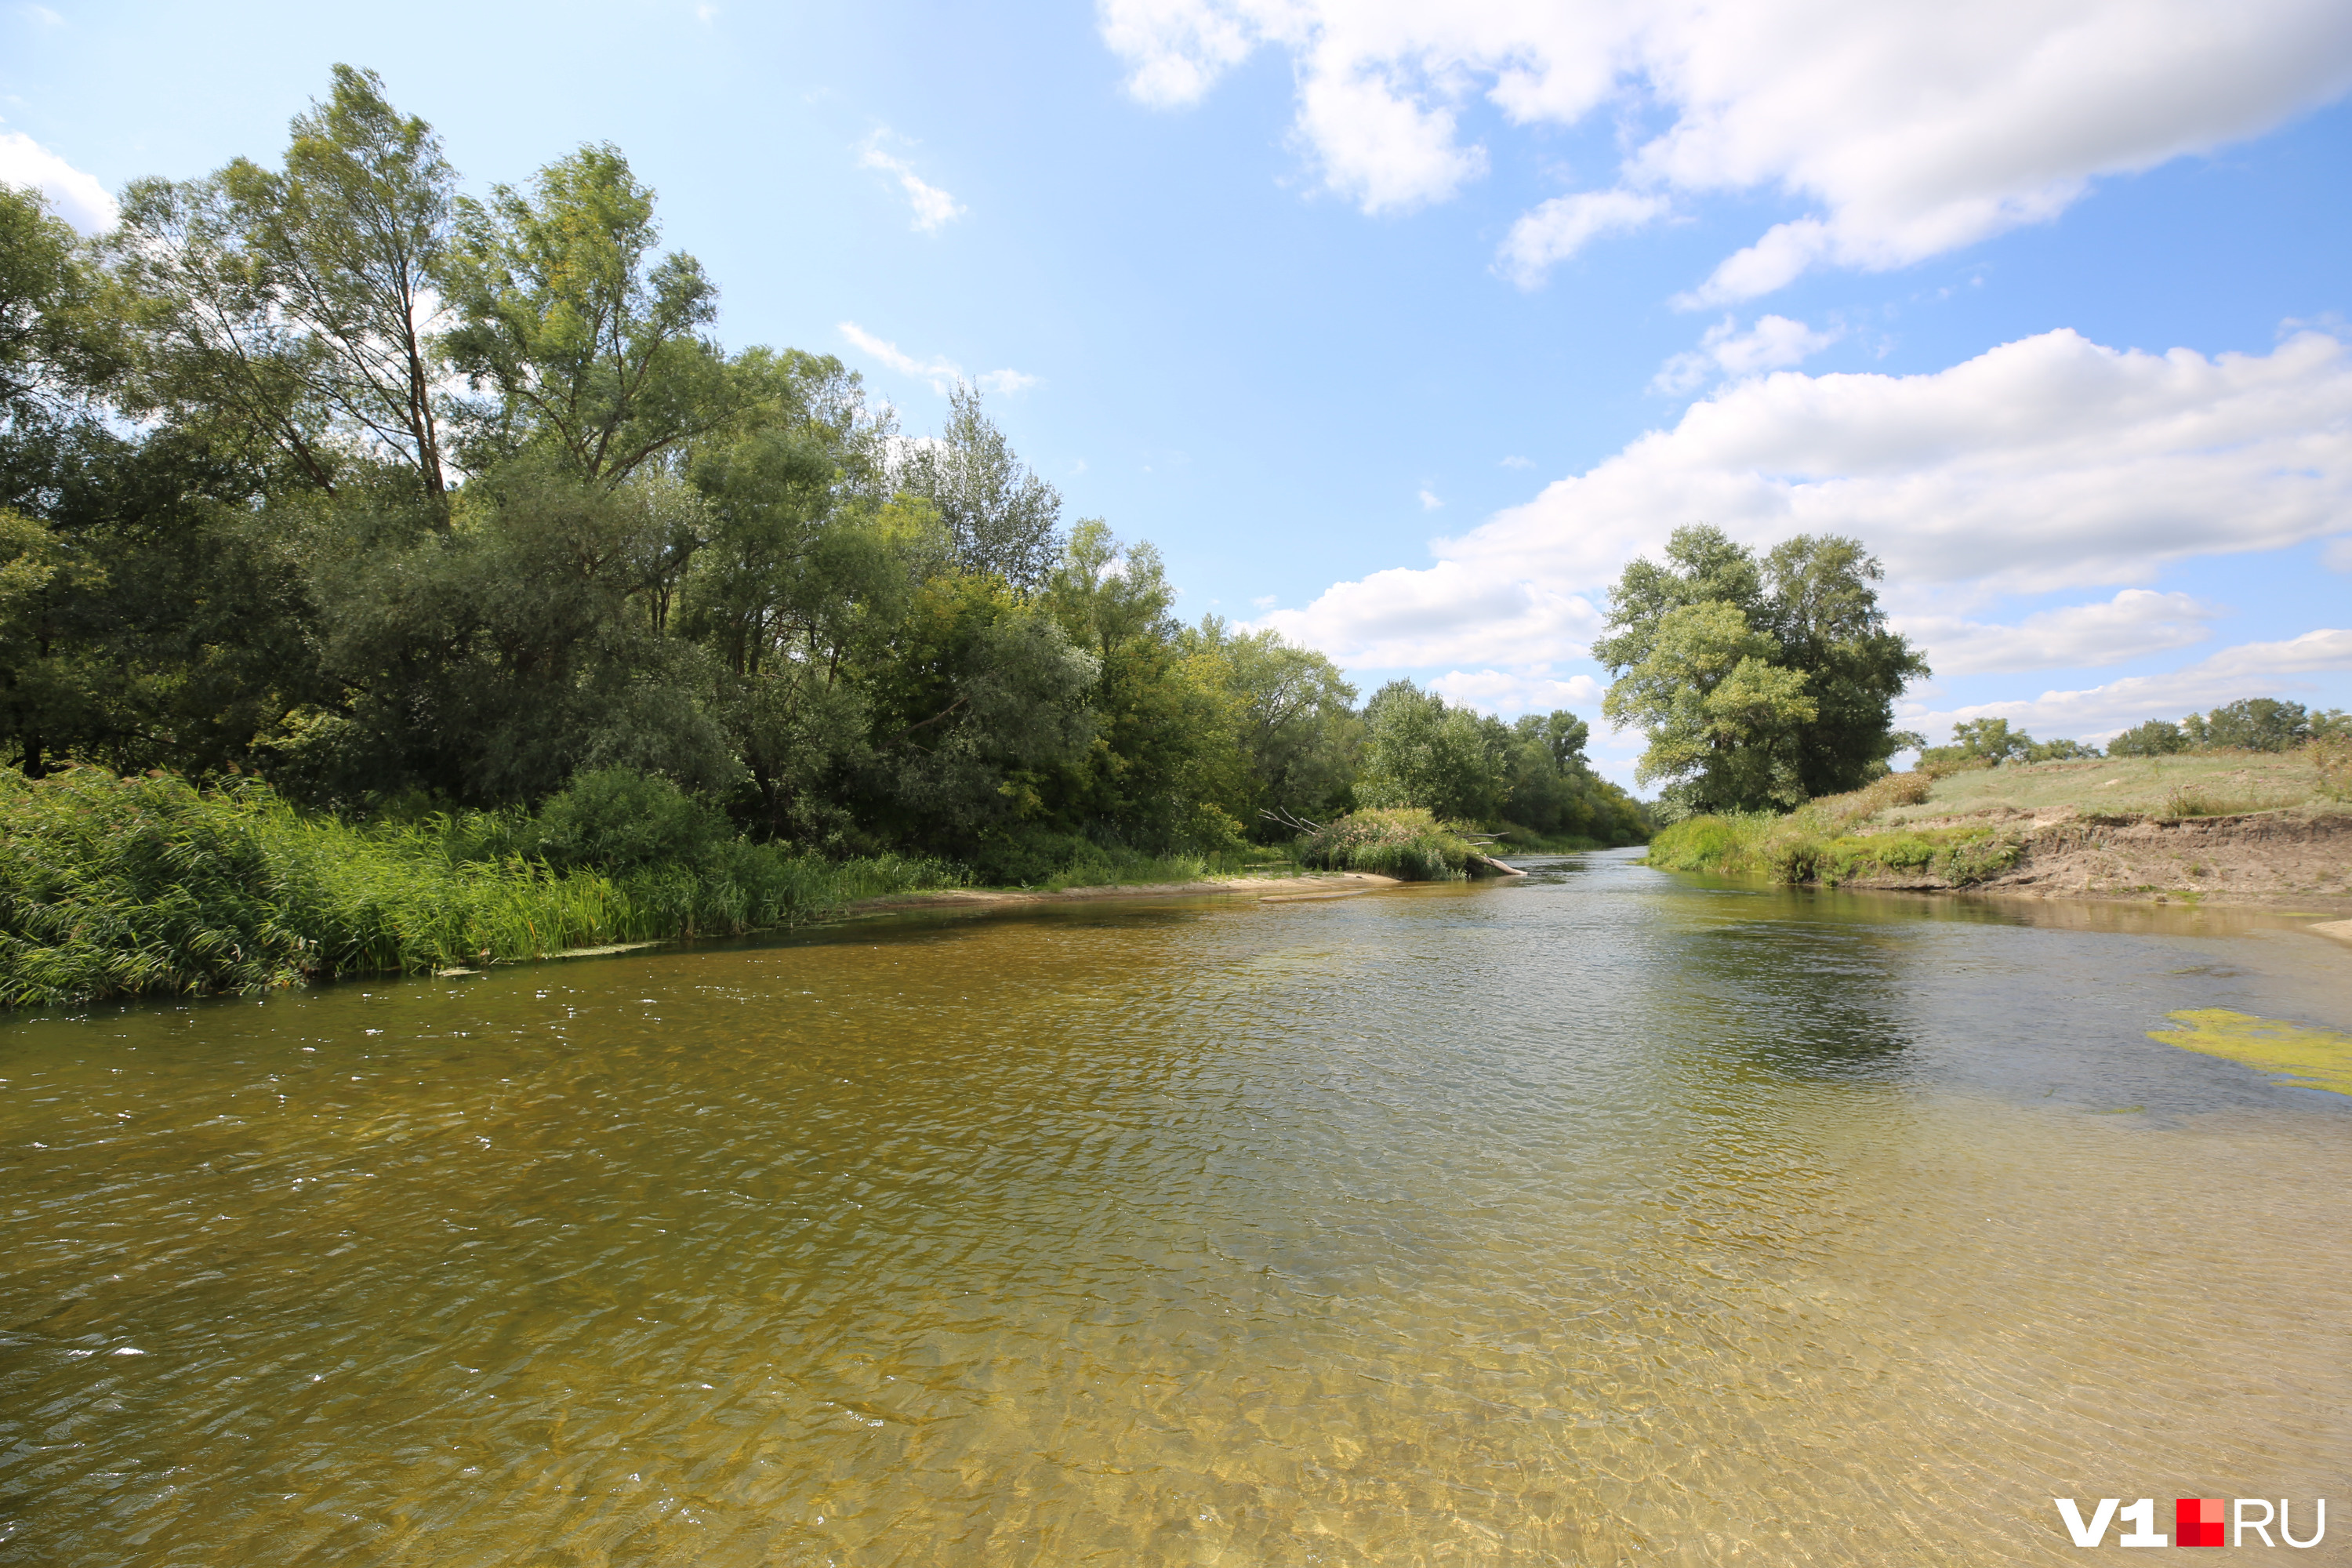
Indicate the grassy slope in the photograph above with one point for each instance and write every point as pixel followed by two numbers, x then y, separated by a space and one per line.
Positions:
pixel 1970 827
pixel 2210 784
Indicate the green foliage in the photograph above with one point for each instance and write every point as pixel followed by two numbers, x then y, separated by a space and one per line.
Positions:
pixel 2156 738
pixel 292 306
pixel 578 343
pixel 112 886
pixel 1817 842
pixel 1420 752
pixel 1001 519
pixel 1404 842
pixel 1294 731
pixel 1808 846
pixel 2255 724
pixel 1990 743
pixel 1758 683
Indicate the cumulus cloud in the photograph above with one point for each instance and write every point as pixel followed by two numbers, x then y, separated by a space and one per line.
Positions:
pixel 1430 501
pixel 2042 466
pixel 1774 342
pixel 2134 624
pixel 933 207
pixel 2098 712
pixel 1511 692
pixel 1909 129
pixel 939 372
pixel 75 196
pixel 1448 614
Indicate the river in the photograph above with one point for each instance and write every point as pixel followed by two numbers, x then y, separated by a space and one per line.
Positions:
pixel 1599 1217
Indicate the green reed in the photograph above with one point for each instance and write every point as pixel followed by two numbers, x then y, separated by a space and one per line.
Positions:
pixel 122 886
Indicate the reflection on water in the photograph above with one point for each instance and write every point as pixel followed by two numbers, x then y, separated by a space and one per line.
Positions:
pixel 1599 1218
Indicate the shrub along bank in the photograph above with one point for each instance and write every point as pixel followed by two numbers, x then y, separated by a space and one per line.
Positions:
pixel 115 885
pixel 1817 842
pixel 1404 842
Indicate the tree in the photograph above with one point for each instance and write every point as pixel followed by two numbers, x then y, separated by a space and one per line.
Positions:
pixel 299 302
pixel 1988 741
pixel 2156 738
pixel 54 348
pixel 1823 610
pixel 791 574
pixel 1000 517
pixel 1163 771
pixel 1760 684
pixel 585 345
pixel 2254 724
pixel 1294 729
pixel 1723 720
pixel 1419 751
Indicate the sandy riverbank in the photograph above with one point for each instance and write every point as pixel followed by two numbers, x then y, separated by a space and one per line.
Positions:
pixel 1285 889
pixel 2263 859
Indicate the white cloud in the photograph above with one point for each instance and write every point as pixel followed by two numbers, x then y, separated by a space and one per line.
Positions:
pixel 1429 501
pixel 1510 692
pixel 933 206
pixel 2044 465
pixel 1773 343
pixel 1519 463
pixel 44 15
pixel 1447 613
pixel 939 372
pixel 76 197
pixel 2134 624
pixel 1560 226
pixel 1909 129
pixel 2250 669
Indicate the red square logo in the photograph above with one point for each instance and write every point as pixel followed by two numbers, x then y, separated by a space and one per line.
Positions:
pixel 2197 1521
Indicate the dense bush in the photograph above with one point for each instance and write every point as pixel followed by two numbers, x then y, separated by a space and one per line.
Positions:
pixel 1404 842
pixel 128 885
pixel 1815 842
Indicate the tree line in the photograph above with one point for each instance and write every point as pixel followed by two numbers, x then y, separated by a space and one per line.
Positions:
pixel 401 497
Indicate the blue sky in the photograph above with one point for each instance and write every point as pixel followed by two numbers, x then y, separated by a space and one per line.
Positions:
pixel 1403 328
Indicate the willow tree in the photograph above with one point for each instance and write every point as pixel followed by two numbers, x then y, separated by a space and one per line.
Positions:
pixel 578 337
pixel 299 304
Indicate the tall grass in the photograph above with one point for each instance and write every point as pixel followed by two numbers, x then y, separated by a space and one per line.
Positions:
pixel 112 886
pixel 1817 842
pixel 1406 843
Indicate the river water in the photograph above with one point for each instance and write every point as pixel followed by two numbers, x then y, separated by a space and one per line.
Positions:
pixel 1599 1218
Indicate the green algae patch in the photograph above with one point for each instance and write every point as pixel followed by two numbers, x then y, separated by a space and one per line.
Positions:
pixel 2311 1056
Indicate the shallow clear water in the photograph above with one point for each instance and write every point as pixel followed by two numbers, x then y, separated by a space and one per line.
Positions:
pixel 1602 1217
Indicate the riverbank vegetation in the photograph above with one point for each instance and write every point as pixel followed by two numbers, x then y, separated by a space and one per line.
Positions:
pixel 1767 688
pixel 1966 827
pixel 116 885
pixel 358 533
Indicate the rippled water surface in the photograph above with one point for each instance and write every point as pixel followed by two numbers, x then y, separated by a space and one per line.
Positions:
pixel 1602 1217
